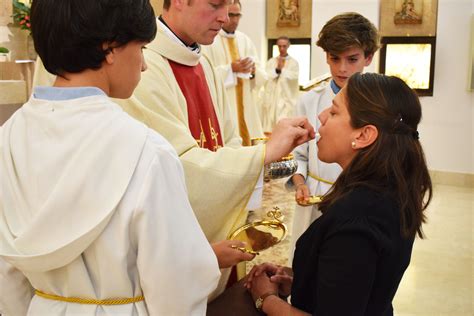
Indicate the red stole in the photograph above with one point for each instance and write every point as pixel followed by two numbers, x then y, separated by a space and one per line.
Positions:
pixel 202 118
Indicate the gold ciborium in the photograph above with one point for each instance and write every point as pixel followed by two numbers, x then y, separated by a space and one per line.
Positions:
pixel 262 234
pixel 282 168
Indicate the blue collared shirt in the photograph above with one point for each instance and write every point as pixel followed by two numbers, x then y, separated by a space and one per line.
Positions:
pixel 334 87
pixel 62 93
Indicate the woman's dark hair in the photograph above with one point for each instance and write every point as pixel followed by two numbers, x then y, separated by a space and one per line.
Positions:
pixel 395 161
pixel 69 34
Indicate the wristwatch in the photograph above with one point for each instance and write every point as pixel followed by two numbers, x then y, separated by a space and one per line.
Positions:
pixel 259 301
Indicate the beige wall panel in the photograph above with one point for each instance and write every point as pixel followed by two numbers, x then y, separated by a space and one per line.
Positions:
pixel 157 6
pixel 12 91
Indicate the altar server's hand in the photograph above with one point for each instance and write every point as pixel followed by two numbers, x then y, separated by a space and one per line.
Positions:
pixel 302 193
pixel 286 135
pixel 228 254
pixel 302 190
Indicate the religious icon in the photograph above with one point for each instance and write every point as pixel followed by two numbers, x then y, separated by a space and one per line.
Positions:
pixel 288 13
pixel 408 12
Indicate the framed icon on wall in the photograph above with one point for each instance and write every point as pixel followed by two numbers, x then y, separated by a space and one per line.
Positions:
pixel 408 17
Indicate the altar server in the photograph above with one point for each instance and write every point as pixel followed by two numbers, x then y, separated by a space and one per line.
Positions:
pixel 94 215
pixel 350 41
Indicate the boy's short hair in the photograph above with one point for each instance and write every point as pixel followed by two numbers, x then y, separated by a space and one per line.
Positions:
pixel 69 34
pixel 348 30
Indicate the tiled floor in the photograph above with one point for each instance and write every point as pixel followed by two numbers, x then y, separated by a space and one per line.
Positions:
pixel 440 278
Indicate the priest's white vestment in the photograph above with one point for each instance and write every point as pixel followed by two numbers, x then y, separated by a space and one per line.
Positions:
pixel 219 54
pixel 281 92
pixel 93 205
pixel 220 183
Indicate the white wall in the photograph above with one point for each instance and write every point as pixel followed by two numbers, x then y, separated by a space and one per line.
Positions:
pixel 253 24
pixel 446 131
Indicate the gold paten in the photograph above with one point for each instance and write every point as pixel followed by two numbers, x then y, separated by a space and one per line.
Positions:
pixel 262 234
pixel 313 199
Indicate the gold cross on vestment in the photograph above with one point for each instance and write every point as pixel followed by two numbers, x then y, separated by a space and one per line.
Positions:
pixel 202 137
pixel 214 136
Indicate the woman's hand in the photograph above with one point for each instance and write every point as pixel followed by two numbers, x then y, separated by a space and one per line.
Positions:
pixel 228 254
pixel 261 285
pixel 278 275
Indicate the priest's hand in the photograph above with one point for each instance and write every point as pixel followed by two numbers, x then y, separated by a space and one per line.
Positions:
pixel 281 63
pixel 228 254
pixel 286 135
pixel 244 65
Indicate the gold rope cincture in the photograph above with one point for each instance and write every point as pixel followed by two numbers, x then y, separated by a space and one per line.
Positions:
pixel 78 300
pixel 315 177
pixel 239 92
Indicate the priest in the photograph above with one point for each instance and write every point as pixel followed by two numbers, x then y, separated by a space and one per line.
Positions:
pixel 281 89
pixel 183 98
pixel 235 58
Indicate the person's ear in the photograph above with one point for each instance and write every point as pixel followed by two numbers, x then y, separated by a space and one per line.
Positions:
pixel 179 4
pixel 366 136
pixel 109 57
pixel 368 60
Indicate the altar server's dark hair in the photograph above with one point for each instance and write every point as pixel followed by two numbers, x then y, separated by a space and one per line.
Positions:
pixel 71 36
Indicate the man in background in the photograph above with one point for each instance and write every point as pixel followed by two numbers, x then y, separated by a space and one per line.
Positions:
pixel 281 89
pixel 235 58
